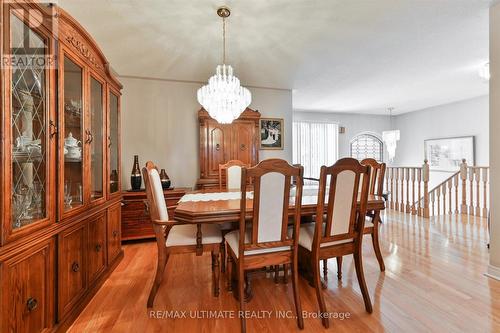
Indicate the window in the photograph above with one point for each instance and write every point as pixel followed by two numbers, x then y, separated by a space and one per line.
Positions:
pixel 367 146
pixel 314 144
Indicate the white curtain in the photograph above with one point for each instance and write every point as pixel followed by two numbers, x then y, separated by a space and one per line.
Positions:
pixel 314 144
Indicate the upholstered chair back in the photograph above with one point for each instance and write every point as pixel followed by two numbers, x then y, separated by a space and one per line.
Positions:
pixel 339 195
pixel 377 175
pixel 154 192
pixel 272 181
pixel 233 177
pixel 232 173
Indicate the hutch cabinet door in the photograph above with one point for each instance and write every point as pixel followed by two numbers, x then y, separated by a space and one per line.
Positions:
pixel 244 142
pixel 219 146
pixel 28 287
pixel 28 126
pixel 97 246
pixel 96 142
pixel 114 231
pixel 114 174
pixel 73 136
pixel 72 280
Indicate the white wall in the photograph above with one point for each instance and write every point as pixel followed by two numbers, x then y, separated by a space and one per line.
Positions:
pixel 494 114
pixel 464 118
pixel 159 123
pixel 354 124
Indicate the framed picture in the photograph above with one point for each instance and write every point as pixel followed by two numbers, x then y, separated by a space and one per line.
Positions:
pixel 271 133
pixel 446 154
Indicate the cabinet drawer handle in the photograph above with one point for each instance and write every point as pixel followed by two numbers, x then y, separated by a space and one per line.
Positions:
pixel 242 146
pixel 31 304
pixel 75 267
pixel 217 147
pixel 115 233
pixel 98 248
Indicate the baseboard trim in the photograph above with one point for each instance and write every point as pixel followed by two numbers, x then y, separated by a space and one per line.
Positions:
pixel 493 272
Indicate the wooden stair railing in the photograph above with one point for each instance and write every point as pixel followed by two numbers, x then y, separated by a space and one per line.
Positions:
pixel 464 192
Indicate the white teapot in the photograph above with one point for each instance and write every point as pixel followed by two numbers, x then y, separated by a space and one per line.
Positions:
pixel 70 141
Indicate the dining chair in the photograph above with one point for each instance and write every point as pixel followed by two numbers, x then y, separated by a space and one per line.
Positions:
pixel 373 219
pixel 232 171
pixel 340 231
pixel 175 238
pixel 265 238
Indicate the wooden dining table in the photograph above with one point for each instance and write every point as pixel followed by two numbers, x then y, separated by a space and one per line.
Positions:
pixel 228 210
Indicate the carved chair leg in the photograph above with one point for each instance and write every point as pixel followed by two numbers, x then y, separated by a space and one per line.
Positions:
pixel 216 272
pixel 358 262
pixel 296 295
pixel 160 269
pixel 319 293
pixel 376 246
pixel 229 272
pixel 339 268
pixel 241 294
pixel 223 256
pixel 325 269
pixel 276 273
pixel 285 273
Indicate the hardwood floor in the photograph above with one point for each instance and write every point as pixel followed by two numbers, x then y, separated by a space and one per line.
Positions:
pixel 433 282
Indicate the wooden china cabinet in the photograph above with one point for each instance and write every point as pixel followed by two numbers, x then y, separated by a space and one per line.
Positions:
pixel 220 143
pixel 60 149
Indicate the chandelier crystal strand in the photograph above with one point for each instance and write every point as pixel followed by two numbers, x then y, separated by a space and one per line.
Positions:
pixel 223 97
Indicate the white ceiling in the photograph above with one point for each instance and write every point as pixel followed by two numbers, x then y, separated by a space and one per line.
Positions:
pixel 337 55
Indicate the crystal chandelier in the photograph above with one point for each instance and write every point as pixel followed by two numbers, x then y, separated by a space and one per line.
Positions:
pixel 391 139
pixel 223 97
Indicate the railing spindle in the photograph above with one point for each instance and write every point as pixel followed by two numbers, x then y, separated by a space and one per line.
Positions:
pixel 419 180
pixel 450 186
pixel 463 176
pixel 485 194
pixel 471 198
pixel 456 182
pixel 477 173
pixel 413 209
pixel 425 176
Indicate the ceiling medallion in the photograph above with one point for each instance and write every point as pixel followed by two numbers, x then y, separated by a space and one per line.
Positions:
pixel 223 97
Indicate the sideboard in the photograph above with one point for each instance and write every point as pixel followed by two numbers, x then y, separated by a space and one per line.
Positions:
pixel 136 222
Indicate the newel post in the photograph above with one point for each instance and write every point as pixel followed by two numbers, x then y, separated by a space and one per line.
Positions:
pixel 463 176
pixel 425 178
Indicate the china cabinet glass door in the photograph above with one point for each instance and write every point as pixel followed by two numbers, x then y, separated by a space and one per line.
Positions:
pixel 73 135
pixel 113 144
pixel 29 127
pixel 96 139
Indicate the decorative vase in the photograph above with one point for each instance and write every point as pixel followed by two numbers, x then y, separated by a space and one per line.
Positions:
pixel 136 178
pixel 113 181
pixel 165 181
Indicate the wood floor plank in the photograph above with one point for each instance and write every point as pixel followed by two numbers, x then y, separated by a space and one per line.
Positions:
pixel 433 282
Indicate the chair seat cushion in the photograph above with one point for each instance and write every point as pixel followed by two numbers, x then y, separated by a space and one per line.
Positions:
pixel 233 241
pixel 185 234
pixel 306 236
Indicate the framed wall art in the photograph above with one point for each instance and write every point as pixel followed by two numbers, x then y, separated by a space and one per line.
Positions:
pixel 271 133
pixel 446 154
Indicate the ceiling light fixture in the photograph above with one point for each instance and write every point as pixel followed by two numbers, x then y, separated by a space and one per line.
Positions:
pixel 223 97
pixel 484 72
pixel 391 138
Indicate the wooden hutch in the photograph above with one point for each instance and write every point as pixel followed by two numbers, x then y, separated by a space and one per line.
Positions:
pixel 220 143
pixel 60 174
